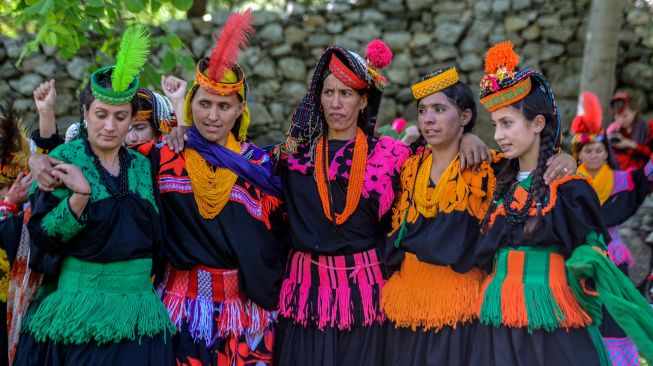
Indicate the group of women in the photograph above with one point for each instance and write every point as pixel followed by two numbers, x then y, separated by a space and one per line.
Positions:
pixel 334 248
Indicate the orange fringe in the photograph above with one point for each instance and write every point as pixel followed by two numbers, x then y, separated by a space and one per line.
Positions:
pixel 513 304
pixel 574 314
pixel 429 296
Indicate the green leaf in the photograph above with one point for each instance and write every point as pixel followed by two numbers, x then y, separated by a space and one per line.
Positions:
pixel 169 62
pixel 94 11
pixel 155 5
pixel 187 62
pixel 42 7
pixel 135 6
pixel 96 3
pixel 175 42
pixel 50 38
pixel 182 5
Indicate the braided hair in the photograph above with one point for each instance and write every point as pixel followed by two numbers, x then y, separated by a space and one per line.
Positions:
pixel 534 104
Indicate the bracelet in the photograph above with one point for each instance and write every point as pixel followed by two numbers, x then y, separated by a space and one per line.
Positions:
pixel 82 193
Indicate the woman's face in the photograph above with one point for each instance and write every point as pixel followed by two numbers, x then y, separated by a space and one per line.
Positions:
pixel 516 135
pixel 593 155
pixel 140 132
pixel 108 124
pixel 626 117
pixel 341 104
pixel 440 121
pixel 215 115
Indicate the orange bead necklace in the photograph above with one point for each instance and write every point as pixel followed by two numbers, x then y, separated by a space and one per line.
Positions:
pixel 356 178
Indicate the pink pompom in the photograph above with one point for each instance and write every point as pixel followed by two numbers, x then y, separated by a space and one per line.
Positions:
pixel 398 124
pixel 378 54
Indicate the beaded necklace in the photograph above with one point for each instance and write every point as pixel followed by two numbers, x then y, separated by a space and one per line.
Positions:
pixel 356 178
pixel 123 175
pixel 519 215
pixel 427 204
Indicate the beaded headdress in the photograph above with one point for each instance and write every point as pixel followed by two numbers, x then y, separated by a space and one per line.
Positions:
pixel 354 71
pixel 134 48
pixel 435 82
pixel 220 74
pixel 501 86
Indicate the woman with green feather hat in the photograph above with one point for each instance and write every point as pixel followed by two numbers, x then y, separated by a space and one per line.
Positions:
pixel 96 237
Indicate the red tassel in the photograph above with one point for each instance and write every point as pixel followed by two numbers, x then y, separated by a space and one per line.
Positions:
pixel 234 37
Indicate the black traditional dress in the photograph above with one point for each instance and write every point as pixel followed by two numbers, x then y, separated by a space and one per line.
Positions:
pixel 430 299
pixel 528 312
pixel 223 276
pixel 99 306
pixel 329 307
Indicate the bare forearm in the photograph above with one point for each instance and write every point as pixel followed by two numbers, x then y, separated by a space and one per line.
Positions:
pixel 47 123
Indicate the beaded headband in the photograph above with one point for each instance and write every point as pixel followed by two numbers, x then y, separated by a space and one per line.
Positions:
pixel 435 84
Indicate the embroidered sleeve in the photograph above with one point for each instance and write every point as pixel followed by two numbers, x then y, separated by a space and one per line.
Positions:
pixel 383 171
pixel 61 224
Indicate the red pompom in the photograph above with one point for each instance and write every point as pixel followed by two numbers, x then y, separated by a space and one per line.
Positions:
pixel 378 54
pixel 590 120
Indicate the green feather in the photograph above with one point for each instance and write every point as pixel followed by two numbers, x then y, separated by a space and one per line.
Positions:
pixel 134 48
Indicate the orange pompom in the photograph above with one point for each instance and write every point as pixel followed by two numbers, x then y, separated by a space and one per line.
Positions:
pixel 501 55
pixel 589 122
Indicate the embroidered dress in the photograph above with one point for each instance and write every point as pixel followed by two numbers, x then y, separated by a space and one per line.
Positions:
pixel 223 274
pixel 329 307
pixel 98 305
pixel 528 312
pixel 430 299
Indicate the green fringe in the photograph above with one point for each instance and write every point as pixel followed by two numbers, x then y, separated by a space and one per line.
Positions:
pixel 490 313
pixel 599 345
pixel 77 318
pixel 541 307
pixel 44 291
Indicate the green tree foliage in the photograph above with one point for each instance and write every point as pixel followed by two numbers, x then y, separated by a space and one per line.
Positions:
pixel 94 28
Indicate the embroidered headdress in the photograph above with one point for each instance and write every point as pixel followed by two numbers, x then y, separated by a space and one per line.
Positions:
pixel 220 74
pixel 354 71
pixel 435 82
pixel 134 48
pixel 155 109
pixel 501 86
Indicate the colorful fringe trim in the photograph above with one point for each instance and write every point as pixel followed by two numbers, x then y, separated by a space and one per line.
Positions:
pixel 528 289
pixel 101 302
pixel 622 351
pixel 429 296
pixel 333 291
pixel 210 301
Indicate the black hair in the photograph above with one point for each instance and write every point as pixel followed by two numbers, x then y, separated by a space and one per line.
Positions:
pixel 536 103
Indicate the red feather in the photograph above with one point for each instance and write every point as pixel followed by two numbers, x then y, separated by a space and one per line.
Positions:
pixel 591 119
pixel 233 38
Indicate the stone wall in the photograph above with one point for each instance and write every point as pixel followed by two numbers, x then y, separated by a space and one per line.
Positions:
pixel 423 34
